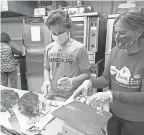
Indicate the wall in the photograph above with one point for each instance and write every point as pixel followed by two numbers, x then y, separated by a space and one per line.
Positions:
pixel 104 7
pixel 15 30
pixel 22 7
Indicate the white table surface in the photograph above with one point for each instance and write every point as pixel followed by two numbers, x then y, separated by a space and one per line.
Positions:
pixel 51 129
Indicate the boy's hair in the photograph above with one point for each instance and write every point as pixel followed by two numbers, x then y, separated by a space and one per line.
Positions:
pixel 58 16
pixel 5 38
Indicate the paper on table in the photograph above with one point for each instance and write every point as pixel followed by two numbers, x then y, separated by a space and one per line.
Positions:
pixel 35 33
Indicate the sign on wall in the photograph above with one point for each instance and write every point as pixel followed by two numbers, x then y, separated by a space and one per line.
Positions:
pixel 4 5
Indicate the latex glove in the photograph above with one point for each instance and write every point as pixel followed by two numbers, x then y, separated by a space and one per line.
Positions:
pixel 64 82
pixel 2 87
pixel 100 98
pixel 84 88
pixel 46 88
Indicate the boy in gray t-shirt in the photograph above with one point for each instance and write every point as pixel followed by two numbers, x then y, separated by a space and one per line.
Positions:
pixel 66 63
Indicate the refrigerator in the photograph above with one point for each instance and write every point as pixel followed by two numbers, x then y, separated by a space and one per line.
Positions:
pixel 36 38
pixel 110 38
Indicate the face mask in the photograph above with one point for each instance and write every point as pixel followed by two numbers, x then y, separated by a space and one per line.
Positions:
pixel 122 42
pixel 62 38
pixel 125 42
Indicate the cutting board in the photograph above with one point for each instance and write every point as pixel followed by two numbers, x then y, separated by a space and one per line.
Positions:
pixel 82 116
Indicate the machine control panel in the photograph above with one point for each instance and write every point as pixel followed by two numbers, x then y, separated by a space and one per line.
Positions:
pixel 93 34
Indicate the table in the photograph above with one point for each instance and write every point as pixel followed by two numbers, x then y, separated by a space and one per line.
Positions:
pixel 52 128
pixel 55 126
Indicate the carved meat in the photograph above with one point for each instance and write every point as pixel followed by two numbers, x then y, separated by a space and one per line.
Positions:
pixel 8 99
pixel 29 104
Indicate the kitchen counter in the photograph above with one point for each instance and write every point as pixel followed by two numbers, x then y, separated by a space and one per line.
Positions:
pixel 51 129
pixel 54 126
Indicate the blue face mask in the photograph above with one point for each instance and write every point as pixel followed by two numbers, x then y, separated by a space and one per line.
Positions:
pixel 62 38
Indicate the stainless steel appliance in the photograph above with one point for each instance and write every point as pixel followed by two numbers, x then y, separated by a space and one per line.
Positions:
pixel 89 29
pixel 36 37
pixel 110 41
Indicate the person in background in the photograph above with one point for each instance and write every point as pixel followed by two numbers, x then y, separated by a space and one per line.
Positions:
pixel 8 63
pixel 124 72
pixel 66 63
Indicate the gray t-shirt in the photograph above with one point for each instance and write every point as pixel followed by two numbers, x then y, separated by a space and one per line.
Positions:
pixel 69 61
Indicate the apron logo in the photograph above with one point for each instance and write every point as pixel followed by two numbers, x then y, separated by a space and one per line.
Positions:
pixel 123 76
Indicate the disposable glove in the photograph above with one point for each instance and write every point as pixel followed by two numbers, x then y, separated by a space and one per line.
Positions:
pixel 84 88
pixel 64 83
pixel 46 88
pixel 2 87
pixel 100 98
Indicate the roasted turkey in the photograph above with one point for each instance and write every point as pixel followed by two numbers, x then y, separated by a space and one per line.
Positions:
pixel 29 104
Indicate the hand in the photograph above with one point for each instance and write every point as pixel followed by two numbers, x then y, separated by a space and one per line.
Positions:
pixel 64 82
pixel 46 88
pixel 100 98
pixel 84 88
pixel 2 87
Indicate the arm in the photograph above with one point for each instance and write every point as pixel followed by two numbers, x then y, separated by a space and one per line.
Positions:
pixel 46 75
pixel 100 82
pixel 46 67
pixel 84 67
pixel 134 98
pixel 46 87
pixel 15 51
pixel 80 78
pixel 104 80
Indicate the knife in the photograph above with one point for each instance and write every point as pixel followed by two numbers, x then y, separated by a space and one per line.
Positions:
pixel 14 121
pixel 44 103
pixel 8 131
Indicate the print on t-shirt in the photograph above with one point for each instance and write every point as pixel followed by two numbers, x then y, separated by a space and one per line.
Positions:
pixel 60 58
pixel 124 77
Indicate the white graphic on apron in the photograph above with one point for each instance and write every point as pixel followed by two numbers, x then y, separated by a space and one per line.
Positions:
pixel 113 70
pixel 137 76
pixel 124 76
